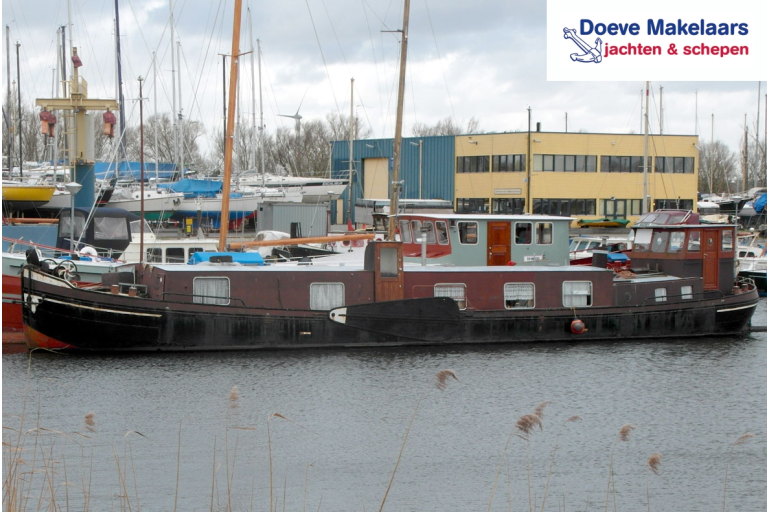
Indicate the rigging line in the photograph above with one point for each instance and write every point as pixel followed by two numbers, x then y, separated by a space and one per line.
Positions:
pixel 440 59
pixel 335 35
pixel 373 51
pixel 320 47
pixel 205 59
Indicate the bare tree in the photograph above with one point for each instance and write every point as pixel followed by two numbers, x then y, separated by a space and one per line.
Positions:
pixel 718 165
pixel 447 126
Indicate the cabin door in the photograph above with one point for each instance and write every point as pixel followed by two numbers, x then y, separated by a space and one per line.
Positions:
pixel 710 244
pixel 499 242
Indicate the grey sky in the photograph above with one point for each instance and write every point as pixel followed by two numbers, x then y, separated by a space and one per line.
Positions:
pixel 481 59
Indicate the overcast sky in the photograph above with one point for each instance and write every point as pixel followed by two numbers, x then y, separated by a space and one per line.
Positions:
pixel 484 59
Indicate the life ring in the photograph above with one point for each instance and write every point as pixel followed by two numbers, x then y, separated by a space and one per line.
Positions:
pixel 88 251
pixel 346 243
pixel 578 327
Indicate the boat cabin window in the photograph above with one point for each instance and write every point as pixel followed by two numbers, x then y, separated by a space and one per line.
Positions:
pixel 544 233
pixel 577 293
pixel 686 292
pixel 659 243
pixel 523 233
pixel 388 262
pixel 456 291
pixel 468 232
pixel 65 228
pixel 405 232
pixel 694 241
pixel 642 240
pixel 193 250
pixel 441 231
pixel 727 241
pixel 174 255
pixel 110 228
pixel 326 296
pixel 519 295
pixel 676 240
pixel 661 294
pixel 154 255
pixel 211 290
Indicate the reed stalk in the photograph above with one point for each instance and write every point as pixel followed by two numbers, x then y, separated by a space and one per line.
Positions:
pixel 653 466
pixel 442 383
pixel 741 440
pixel 623 435
pixel 552 461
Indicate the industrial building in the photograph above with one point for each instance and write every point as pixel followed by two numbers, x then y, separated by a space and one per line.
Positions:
pixel 582 175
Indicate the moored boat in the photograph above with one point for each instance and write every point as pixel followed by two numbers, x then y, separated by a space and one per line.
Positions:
pixel 682 284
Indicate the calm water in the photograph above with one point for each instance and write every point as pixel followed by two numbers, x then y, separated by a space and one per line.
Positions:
pixel 347 414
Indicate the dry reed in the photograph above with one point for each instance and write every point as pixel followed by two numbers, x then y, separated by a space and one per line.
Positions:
pixel 654 466
pixel 442 377
pixel 741 440
pixel 623 436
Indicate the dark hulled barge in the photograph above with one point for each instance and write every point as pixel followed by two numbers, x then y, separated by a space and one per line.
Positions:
pixel 681 283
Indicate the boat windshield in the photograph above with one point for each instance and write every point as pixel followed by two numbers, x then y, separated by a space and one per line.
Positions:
pixel 136 227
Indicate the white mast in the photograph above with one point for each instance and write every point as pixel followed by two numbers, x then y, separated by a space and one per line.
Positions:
pixel 154 86
pixel 181 109
pixel 645 153
pixel 173 84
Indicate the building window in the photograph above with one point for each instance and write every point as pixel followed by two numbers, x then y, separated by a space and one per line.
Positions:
pixel 674 164
pixel 455 291
pixel 468 232
pixel 564 207
pixel 674 204
pixel 470 164
pixel 508 163
pixel 544 233
pixel 523 233
pixel 514 206
pixel 211 290
pixel 519 295
pixel 326 296
pixel 471 205
pixel 686 292
pixel 565 163
pixel 661 294
pixel 620 208
pixel 577 293
pixel 621 164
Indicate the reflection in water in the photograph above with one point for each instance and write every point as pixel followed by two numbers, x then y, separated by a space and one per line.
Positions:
pixel 346 413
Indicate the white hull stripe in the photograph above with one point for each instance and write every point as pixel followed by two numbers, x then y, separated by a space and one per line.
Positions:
pixel 150 315
pixel 734 309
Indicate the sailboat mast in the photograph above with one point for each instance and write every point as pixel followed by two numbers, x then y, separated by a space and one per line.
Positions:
pixel 228 140
pixel 645 152
pixel 173 94
pixel 393 202
pixel 261 121
pixel 253 86
pixel 121 140
pixel 351 151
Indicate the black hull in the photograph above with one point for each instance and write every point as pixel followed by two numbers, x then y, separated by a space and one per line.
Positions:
pixel 59 317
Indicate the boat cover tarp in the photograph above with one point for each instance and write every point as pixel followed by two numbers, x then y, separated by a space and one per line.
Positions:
pixel 615 257
pixel 760 204
pixel 194 188
pixel 604 222
pixel 244 258
pixel 124 170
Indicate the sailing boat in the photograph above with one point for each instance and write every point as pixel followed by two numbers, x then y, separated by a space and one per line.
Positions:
pixel 232 301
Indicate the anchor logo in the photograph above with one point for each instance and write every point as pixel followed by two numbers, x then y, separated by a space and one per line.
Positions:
pixel 591 53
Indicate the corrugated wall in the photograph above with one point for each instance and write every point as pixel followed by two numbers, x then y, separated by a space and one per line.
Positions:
pixel 436 172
